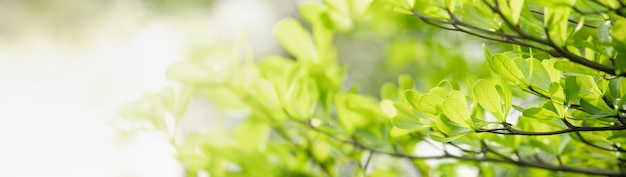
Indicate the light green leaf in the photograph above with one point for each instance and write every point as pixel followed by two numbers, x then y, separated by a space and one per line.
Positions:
pixel 223 97
pixel 618 32
pixel 387 107
pixel 445 84
pixel 486 53
pixel 571 90
pixel 408 122
pixel 504 67
pixel 571 67
pixel 265 93
pixel 439 91
pixel 338 21
pixel 430 104
pixel 604 32
pixel 516 9
pixel 413 98
pixel 556 19
pixel 442 139
pixel 540 76
pixel 588 85
pixel 557 96
pixel 523 66
pixel 192 72
pixel 487 96
pixel 389 91
pixel 296 40
pixel 359 7
pixel 405 82
pixel 540 113
pixel 548 64
pixel 311 11
pixel 406 4
pixel 507 96
pixel 456 110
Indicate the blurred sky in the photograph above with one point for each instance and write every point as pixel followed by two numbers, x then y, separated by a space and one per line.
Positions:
pixel 68 66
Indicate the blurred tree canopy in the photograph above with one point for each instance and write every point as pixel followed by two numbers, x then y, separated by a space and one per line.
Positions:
pixel 492 87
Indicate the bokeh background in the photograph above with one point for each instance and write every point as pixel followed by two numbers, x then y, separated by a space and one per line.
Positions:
pixel 67 67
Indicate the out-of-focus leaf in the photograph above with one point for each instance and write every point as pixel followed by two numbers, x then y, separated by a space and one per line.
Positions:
pixel 296 40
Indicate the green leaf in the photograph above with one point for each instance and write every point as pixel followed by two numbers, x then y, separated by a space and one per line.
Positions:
pixel 604 32
pixel 439 91
pixel 449 138
pixel 556 19
pixel 389 91
pixel 265 93
pixel 540 113
pixel 588 85
pixel 388 108
pixel 487 96
pixel 504 67
pixel 571 90
pixel 555 75
pixel 507 96
pixel 409 122
pixel 301 98
pixel 193 72
pixel 486 53
pixel 618 32
pixel 516 9
pixel 405 4
pixel 557 96
pixel 571 67
pixel 430 104
pixel 456 110
pixel 405 82
pixel 296 40
pixel 223 97
pixel 338 21
pixel 540 76
pixel 413 98
pixel 311 11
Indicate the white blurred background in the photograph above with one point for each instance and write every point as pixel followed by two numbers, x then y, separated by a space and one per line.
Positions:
pixel 68 66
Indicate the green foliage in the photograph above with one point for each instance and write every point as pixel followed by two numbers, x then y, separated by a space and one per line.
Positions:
pixel 563 77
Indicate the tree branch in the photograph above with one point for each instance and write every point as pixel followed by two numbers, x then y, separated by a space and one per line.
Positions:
pixel 465 158
pixel 508 130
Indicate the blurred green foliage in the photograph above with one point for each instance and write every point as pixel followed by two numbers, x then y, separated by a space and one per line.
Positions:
pixel 551 104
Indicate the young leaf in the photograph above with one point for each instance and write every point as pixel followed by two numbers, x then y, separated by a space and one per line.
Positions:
pixel 540 113
pixel 191 72
pixel 296 39
pixel 507 95
pixel 557 96
pixel 311 11
pixel 571 67
pixel 504 67
pixel 413 98
pixel 571 90
pixel 540 76
pixel 516 10
pixel 556 19
pixel 265 93
pixel 487 96
pixel 456 110
pixel 430 104
pixel 405 82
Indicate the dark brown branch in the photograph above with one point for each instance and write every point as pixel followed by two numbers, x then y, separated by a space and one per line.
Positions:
pixel 512 131
pixel 465 158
